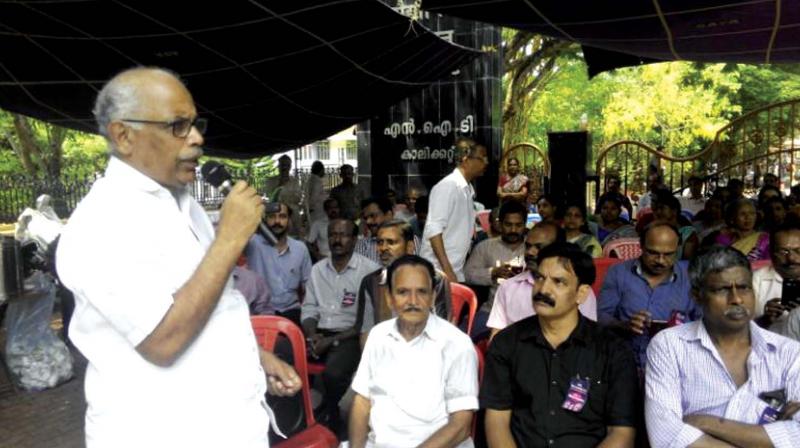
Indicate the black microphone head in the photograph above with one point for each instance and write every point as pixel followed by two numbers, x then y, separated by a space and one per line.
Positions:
pixel 214 173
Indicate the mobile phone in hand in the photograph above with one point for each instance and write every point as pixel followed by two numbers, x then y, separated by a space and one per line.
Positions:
pixel 790 294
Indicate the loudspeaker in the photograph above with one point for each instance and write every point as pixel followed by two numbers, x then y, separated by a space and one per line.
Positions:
pixel 568 153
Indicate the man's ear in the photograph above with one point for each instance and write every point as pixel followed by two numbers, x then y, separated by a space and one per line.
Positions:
pixel 121 138
pixel 583 294
pixel 411 247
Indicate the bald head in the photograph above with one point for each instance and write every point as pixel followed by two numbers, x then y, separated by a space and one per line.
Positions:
pixel 123 96
pixel 150 121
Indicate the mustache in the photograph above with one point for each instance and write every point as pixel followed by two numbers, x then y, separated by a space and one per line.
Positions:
pixel 547 300
pixel 736 311
pixel 412 308
pixel 196 153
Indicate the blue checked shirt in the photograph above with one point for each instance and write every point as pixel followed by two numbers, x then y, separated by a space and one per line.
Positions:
pixel 685 375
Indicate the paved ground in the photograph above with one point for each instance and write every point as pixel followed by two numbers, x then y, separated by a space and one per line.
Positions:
pixel 48 419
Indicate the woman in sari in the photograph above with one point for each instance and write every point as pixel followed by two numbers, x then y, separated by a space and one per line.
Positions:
pixel 513 185
pixel 710 219
pixel 741 233
pixel 611 226
pixel 578 232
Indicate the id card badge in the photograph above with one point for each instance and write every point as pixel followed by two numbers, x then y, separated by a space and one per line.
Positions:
pixel 348 298
pixel 770 415
pixel 577 395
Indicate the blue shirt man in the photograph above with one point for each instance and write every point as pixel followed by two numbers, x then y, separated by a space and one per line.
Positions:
pixel 285 267
pixel 640 296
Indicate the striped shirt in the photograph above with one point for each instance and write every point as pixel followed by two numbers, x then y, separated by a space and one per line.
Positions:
pixel 368 247
pixel 686 375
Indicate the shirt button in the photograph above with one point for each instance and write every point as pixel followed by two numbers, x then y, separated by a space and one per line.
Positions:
pixel 555 355
pixel 552 412
pixel 554 383
pixel 551 442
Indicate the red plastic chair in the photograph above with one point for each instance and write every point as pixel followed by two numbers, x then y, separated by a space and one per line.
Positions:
pixel 484 217
pixel 758 264
pixel 623 248
pixel 459 295
pixel 601 266
pixel 267 329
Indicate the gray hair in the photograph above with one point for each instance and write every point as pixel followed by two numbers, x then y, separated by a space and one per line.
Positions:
pixel 119 98
pixel 716 259
pixel 466 147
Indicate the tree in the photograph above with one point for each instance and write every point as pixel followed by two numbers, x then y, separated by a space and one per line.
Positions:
pixel 530 63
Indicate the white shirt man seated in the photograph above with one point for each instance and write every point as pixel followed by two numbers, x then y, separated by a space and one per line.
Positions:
pixel 722 380
pixel 784 250
pixel 417 383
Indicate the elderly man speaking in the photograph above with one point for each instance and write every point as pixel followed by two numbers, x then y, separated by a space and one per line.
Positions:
pixel 173 360
pixel 417 384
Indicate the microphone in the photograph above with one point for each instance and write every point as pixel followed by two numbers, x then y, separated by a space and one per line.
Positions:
pixel 217 176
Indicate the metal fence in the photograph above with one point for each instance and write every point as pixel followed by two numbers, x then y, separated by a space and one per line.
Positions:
pixel 20 192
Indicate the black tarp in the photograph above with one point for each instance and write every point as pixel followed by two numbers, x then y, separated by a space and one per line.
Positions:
pixel 269 75
pixel 618 33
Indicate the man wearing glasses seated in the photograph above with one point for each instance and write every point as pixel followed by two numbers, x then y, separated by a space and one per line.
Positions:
pixel 644 295
pixel 173 360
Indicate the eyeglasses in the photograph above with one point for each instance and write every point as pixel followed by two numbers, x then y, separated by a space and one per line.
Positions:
pixel 180 126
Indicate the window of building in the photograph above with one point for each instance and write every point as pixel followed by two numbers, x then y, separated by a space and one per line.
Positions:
pixel 323 150
pixel 351 149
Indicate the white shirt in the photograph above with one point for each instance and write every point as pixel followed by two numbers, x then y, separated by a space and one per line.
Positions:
pixel 768 285
pixel 685 375
pixel 128 247
pixel 318 233
pixel 413 386
pixel 451 213
pixel 693 205
pixel 315 197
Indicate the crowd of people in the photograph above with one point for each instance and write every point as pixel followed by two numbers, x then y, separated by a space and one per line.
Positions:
pixel 684 345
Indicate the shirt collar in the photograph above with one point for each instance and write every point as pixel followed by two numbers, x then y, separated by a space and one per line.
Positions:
pixel 523 277
pixel 119 169
pixel 432 329
pixel 461 181
pixel 351 264
pixel 579 334
pixel 758 342
pixel 637 269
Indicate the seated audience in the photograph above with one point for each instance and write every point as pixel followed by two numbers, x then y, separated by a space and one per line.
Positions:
pixel 417 382
pixel 499 258
pixel 740 232
pixel 668 209
pixel 318 233
pixel 577 230
pixel 611 226
pixel 767 192
pixel 696 201
pixel 513 185
pixel 396 239
pixel 547 208
pixel 773 213
pixel 254 289
pixel 285 267
pixel 374 212
pixel 512 301
pixel 613 186
pixel 711 219
pixel 736 188
pixel 329 315
pixel 642 295
pixel 768 281
pixel 557 378
pixel 722 380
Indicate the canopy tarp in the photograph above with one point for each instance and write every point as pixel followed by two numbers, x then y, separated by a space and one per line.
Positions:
pixel 269 75
pixel 617 33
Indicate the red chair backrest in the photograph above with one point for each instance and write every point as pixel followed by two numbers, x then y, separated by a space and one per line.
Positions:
pixel 758 264
pixel 601 266
pixel 267 329
pixel 623 248
pixel 459 295
pixel 483 218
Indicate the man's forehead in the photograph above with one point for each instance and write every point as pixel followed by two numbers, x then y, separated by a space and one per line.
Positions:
pixel 733 274
pixel 554 267
pixel 412 276
pixel 391 233
pixel 786 237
